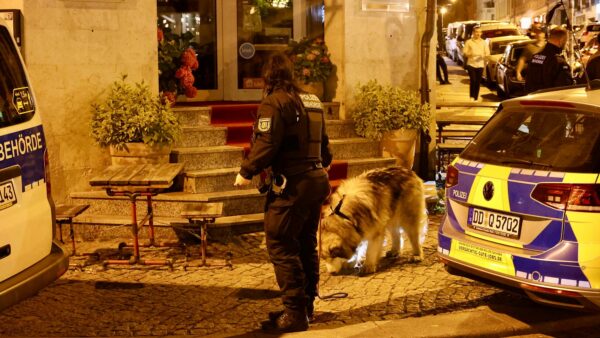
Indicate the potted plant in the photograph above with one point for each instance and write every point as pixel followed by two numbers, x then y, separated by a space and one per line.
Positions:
pixel 312 64
pixel 391 115
pixel 176 62
pixel 139 127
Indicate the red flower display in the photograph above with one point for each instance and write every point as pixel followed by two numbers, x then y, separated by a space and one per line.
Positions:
pixel 176 61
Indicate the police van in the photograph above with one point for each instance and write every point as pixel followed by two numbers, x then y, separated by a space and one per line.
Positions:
pixel 29 259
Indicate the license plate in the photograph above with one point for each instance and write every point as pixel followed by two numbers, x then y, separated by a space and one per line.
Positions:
pixel 8 197
pixel 495 223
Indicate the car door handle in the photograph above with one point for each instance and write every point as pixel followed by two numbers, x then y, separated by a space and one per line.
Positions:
pixel 5 251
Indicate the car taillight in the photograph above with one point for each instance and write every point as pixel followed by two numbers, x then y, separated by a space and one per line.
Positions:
pixel 569 197
pixel 451 176
pixel 47 173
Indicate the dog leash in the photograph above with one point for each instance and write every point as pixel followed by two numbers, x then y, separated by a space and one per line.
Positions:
pixel 333 296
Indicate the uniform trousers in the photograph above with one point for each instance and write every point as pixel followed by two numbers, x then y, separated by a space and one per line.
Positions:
pixel 475 75
pixel 291 224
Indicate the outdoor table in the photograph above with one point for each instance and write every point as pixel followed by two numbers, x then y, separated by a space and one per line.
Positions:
pixel 133 181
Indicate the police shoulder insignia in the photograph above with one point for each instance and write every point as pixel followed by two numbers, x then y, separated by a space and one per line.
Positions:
pixel 264 124
pixel 311 101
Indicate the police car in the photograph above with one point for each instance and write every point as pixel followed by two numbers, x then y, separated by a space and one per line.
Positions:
pixel 523 200
pixel 29 259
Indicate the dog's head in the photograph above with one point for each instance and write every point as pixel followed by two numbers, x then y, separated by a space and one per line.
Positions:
pixel 338 238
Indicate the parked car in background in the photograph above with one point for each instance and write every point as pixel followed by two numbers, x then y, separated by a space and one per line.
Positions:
pixel 464 33
pixel 523 200
pixel 507 84
pixel 29 259
pixel 451 35
pixel 589 32
pixel 489 29
pixel 497 46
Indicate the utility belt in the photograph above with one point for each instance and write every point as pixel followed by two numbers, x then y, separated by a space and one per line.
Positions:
pixel 276 182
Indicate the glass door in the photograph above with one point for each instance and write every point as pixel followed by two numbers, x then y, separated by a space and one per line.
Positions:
pixel 233 39
pixel 196 24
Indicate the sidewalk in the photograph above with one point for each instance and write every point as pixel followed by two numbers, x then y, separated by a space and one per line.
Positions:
pixel 479 322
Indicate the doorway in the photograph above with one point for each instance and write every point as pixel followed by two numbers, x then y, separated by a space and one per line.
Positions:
pixel 233 39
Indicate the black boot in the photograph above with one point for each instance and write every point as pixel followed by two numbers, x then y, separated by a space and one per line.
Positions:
pixel 310 311
pixel 288 321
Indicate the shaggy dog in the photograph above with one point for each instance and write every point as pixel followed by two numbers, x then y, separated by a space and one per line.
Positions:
pixel 365 206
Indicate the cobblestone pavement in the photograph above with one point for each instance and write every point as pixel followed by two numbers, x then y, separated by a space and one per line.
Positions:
pixel 124 301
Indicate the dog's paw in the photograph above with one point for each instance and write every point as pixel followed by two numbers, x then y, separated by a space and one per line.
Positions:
pixel 367 269
pixel 415 259
pixel 392 254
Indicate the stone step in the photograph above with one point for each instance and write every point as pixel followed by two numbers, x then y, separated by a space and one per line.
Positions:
pixel 204 136
pixel 212 180
pixel 340 129
pixel 356 147
pixel 196 158
pixel 193 116
pixel 170 204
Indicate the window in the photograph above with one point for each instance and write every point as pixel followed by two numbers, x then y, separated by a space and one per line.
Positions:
pixel 539 139
pixel 16 103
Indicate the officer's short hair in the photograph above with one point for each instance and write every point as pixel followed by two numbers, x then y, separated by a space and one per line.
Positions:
pixel 558 33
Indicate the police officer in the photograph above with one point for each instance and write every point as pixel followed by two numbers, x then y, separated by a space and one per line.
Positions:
pixel 548 68
pixel 289 137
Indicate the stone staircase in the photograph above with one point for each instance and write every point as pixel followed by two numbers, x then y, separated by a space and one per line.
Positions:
pixel 212 151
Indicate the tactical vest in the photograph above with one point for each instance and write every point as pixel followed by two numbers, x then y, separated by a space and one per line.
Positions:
pixel 302 140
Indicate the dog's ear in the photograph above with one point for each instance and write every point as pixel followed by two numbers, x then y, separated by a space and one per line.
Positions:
pixel 337 252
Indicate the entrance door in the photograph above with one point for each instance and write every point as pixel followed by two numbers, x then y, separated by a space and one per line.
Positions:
pixel 233 39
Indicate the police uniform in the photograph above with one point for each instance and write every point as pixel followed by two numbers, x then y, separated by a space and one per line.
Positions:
pixel 547 69
pixel 290 138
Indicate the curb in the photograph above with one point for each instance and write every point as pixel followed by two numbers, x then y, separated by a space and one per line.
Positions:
pixel 479 322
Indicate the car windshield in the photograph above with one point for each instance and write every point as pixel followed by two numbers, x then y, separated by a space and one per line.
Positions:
pixel 593 28
pixel 498 32
pixel 545 139
pixel 14 107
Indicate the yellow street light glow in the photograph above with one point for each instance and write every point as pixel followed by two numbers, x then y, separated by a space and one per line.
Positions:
pixel 443 10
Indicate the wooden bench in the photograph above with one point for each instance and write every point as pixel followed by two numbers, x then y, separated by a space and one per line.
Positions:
pixel 64 215
pixel 202 214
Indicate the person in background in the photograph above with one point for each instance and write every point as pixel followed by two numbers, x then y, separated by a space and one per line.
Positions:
pixel 441 68
pixel 548 68
pixel 289 138
pixel 534 29
pixel 476 51
pixel 530 50
pixel 593 67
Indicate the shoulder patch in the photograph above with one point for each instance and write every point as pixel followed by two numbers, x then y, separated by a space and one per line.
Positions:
pixel 311 101
pixel 264 124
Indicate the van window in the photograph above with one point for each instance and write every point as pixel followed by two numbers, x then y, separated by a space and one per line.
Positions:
pixel 16 101
pixel 544 139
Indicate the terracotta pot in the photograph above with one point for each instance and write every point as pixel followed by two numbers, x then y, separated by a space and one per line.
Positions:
pixel 140 153
pixel 400 144
pixel 316 88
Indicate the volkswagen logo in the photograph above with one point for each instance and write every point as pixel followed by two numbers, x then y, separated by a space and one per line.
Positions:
pixel 488 190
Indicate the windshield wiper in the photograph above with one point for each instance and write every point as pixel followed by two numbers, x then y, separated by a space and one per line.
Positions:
pixel 519 161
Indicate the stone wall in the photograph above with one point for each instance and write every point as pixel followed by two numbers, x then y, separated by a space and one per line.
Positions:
pixel 74 50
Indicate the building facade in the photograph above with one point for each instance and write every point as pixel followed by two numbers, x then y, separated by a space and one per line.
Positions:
pixel 75 49
pixel 486 10
pixel 526 12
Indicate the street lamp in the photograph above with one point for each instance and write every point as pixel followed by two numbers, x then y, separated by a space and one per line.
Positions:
pixel 443 10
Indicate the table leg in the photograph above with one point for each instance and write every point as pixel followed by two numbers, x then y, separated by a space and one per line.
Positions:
pixel 203 244
pixel 72 236
pixel 150 213
pixel 134 229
